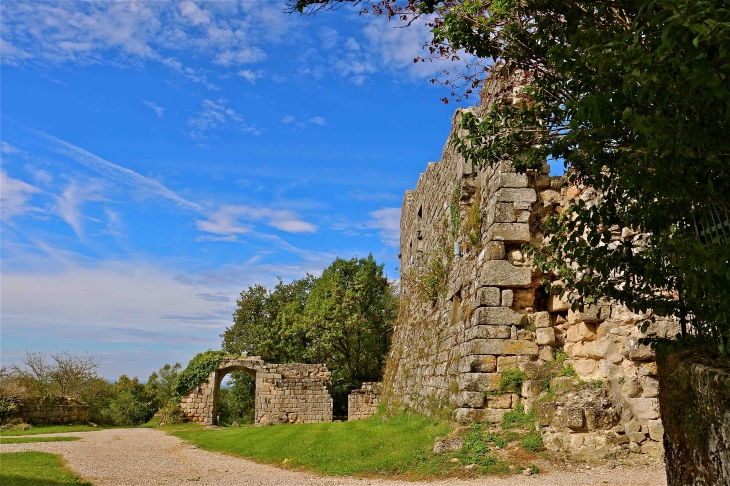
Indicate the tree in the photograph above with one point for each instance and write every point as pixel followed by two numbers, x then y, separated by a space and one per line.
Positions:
pixel 43 375
pixel 349 321
pixel 633 97
pixel 343 319
pixel 162 382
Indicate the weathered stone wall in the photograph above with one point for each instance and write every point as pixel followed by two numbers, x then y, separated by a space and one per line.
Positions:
pixel 53 410
pixel 285 393
pixel 492 315
pixel 696 413
pixel 364 402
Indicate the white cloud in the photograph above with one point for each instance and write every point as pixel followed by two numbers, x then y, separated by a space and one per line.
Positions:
pixel 398 46
pixel 318 120
pixel 352 44
pixel 250 76
pixel 213 114
pixel 9 149
pixel 387 221
pixel 68 208
pixel 227 220
pixel 119 173
pixel 288 119
pixel 154 107
pixel 328 37
pixel 60 32
pixel 14 196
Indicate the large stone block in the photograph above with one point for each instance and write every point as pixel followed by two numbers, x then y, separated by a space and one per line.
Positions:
pixel 512 179
pixel 498 316
pixel 556 304
pixel 479 382
pixel 501 347
pixel 488 296
pixel 645 408
pixel 509 232
pixel 502 273
pixel 470 399
pixel 545 336
pixel 527 195
pixel 541 319
pixel 500 401
pixel 477 364
pixel 488 332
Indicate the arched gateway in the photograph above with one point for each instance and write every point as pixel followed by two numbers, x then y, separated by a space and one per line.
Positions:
pixel 285 393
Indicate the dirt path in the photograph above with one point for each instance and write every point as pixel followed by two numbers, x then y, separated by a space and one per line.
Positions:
pixel 136 457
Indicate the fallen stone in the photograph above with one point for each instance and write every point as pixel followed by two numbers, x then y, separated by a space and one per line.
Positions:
pixel 448 445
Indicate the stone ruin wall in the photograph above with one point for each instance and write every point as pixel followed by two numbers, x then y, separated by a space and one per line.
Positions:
pixel 364 402
pixel 285 393
pixel 448 354
pixel 53 410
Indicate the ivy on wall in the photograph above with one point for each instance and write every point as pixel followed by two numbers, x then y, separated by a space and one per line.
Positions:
pixel 197 371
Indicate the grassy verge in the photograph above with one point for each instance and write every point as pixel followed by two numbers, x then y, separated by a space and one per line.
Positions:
pixel 399 446
pixel 35 469
pixel 50 429
pixel 23 440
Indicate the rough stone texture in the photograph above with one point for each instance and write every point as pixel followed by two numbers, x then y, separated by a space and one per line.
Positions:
pixel 696 420
pixel 53 410
pixel 494 316
pixel 285 393
pixel 364 402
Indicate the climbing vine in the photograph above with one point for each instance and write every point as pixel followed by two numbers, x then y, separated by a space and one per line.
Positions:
pixel 197 371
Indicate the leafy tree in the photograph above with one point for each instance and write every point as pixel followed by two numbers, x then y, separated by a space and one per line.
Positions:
pixel 131 403
pixel 343 319
pixel 348 320
pixel 162 382
pixel 42 375
pixel 633 96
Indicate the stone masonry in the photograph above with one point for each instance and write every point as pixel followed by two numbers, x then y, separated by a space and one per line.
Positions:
pixel 53 410
pixel 285 393
pixel 364 402
pixel 492 314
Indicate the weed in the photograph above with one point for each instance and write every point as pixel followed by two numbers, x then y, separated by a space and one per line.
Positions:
pixel 532 441
pixel 511 381
pixel 518 418
pixel 567 371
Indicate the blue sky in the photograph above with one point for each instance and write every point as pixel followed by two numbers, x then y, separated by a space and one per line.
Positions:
pixel 158 158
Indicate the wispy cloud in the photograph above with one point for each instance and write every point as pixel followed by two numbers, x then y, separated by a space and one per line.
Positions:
pixel 387 221
pixel 318 120
pixel 250 76
pixel 288 119
pixel 119 173
pixel 233 220
pixel 14 196
pixel 8 149
pixel 154 107
pixel 213 114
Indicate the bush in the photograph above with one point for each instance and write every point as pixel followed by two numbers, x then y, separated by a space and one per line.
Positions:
pixel 197 371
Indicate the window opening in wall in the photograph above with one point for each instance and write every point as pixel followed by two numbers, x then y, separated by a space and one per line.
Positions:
pixel 420 212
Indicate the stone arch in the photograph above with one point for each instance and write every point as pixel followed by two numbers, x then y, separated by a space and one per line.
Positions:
pixel 285 393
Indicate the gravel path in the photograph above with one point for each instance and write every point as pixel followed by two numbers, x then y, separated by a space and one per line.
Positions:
pixel 121 457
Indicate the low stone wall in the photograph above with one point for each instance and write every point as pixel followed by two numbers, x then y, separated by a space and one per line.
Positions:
pixel 695 406
pixel 364 402
pixel 53 410
pixel 285 393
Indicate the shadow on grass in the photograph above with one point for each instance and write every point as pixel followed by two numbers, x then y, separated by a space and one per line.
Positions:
pixel 17 480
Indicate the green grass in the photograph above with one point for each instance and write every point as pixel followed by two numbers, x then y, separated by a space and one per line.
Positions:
pixel 35 469
pixel 50 429
pixel 23 440
pixel 401 445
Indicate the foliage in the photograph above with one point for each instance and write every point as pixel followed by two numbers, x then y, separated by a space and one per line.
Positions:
pixel 162 382
pixel 433 284
pixel 42 375
pixel 170 414
pixel 532 441
pixel 343 318
pixel 474 228
pixel 634 98
pixel 511 381
pixel 131 403
pixel 518 418
pixel 196 372
pixel 36 469
pixel 7 409
pixel 236 404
